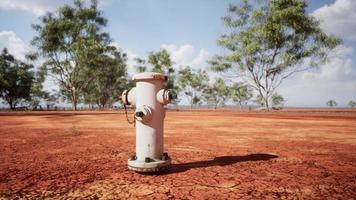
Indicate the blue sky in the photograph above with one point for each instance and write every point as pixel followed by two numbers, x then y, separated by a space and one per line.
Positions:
pixel 189 29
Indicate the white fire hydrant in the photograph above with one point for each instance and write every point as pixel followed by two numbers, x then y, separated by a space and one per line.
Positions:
pixel 149 98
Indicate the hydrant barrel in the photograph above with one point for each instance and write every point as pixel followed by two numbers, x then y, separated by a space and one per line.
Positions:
pixel 150 97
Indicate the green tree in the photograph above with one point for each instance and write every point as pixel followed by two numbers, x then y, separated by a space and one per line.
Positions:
pixel 37 92
pixel 71 42
pixel 141 65
pixel 50 100
pixel 331 103
pixel 217 93
pixel 109 82
pixel 270 41
pixel 192 84
pixel 16 79
pixel 259 100
pixel 240 93
pixel 277 101
pixel 352 104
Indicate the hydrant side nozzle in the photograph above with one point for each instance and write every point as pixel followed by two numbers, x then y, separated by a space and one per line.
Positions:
pixel 164 96
pixel 139 114
pixel 128 97
pixel 124 97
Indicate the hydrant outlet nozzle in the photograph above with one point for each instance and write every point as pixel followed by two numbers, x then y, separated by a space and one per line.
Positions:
pixel 139 114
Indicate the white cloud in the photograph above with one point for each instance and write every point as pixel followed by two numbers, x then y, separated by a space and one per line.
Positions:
pixel 39 7
pixel 180 55
pixel 201 58
pixel 338 18
pixel 13 43
pixel 335 80
pixel 186 55
pixel 131 63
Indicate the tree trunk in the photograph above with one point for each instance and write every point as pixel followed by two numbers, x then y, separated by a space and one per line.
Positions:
pixel 266 103
pixel 74 104
pixel 11 105
pixel 74 99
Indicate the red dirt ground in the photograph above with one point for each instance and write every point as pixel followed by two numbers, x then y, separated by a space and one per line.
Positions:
pixel 295 154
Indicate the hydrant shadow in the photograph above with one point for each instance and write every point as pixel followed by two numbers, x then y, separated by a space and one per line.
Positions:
pixel 218 161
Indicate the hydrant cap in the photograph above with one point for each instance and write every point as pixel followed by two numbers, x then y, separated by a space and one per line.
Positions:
pixel 149 76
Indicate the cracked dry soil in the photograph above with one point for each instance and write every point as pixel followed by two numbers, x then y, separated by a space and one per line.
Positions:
pixel 292 154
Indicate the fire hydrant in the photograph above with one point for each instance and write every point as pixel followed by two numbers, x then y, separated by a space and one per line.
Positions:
pixel 148 98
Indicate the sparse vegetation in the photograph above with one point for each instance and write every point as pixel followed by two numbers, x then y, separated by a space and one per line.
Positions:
pixel 270 41
pixel 216 94
pixel 331 103
pixel 266 44
pixel 73 131
pixel 16 79
pixel 77 52
pixel 240 93
pixel 352 104
pixel 277 101
pixel 193 84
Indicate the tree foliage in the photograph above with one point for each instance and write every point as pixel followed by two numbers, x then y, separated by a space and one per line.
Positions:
pixel 73 45
pixel 37 90
pixel 352 104
pixel 270 41
pixel 16 79
pixel 240 93
pixel 277 101
pixel 192 84
pixel 331 103
pixel 217 93
pixel 110 80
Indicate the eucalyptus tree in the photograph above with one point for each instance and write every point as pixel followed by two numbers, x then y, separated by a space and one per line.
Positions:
pixel 110 81
pixel 269 41
pixel 16 79
pixel 352 104
pixel 331 103
pixel 50 100
pixel 277 100
pixel 216 93
pixel 37 92
pixel 240 93
pixel 140 65
pixel 72 43
pixel 192 84
pixel 259 100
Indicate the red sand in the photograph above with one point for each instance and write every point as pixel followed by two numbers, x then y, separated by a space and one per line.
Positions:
pixel 216 155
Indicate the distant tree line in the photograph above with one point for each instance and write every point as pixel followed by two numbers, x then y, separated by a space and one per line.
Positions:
pixel 265 45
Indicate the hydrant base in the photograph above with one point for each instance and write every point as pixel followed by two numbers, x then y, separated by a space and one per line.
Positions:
pixel 153 166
